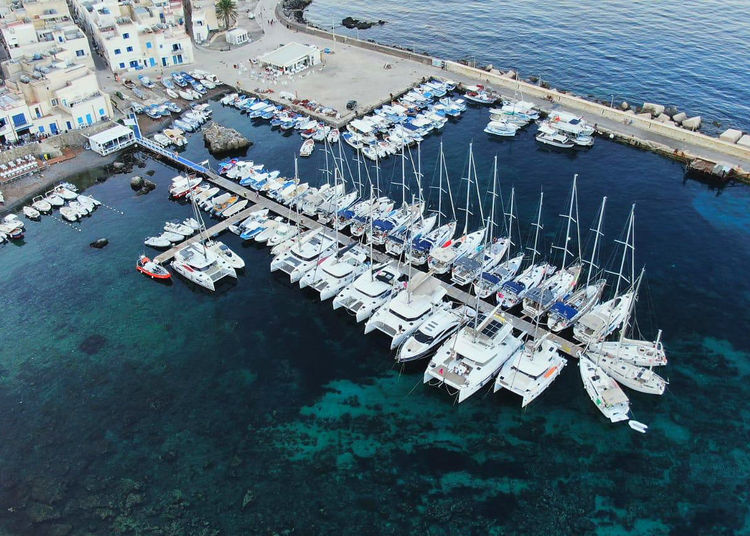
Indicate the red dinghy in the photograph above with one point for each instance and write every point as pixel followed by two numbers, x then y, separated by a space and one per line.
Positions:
pixel 151 269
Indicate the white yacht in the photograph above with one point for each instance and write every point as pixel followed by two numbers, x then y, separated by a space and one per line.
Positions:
pixel 604 319
pixel 642 379
pixel 529 372
pixel 442 258
pixel 604 392
pixel 490 282
pixel 638 352
pixel 400 317
pixel 539 299
pixel 421 246
pixel 337 271
pixel 198 264
pixel 304 255
pixel 283 232
pixel 432 332
pixel 41 204
pixel 225 254
pixel 564 314
pixel 371 290
pixel 469 359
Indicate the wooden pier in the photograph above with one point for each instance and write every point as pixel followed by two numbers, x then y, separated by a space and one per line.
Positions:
pixel 260 202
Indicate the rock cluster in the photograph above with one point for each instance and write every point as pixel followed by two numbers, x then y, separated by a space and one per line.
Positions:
pixel 669 115
pixel 221 139
pixel 352 23
pixel 141 185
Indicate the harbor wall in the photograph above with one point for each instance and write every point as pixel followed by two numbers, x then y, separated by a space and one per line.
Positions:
pixel 629 120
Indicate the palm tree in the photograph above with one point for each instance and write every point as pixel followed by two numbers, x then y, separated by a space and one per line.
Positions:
pixel 226 10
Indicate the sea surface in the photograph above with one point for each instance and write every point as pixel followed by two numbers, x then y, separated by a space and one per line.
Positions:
pixel 133 407
pixel 684 54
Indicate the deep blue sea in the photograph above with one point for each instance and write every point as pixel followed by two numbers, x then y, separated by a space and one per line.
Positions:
pixel 685 54
pixel 132 407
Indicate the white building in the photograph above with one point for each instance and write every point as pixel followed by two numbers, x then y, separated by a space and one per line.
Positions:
pixel 51 69
pixel 237 36
pixel 139 34
pixel 291 58
pixel 111 140
pixel 15 118
pixel 200 19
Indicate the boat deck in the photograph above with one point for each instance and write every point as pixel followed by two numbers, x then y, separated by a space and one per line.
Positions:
pixel 260 202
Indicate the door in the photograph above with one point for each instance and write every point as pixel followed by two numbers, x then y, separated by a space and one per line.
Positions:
pixel 53 128
pixel 88 119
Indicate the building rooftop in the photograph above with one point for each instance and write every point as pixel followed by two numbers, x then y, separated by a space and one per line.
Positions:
pixel 287 55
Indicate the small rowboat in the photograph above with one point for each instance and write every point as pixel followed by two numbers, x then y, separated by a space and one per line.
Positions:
pixel 151 268
pixel 307 148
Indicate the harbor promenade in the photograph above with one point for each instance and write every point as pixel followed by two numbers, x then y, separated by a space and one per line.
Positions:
pixel 356 70
pixel 261 202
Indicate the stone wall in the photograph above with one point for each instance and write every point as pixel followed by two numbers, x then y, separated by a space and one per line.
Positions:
pixel 53 145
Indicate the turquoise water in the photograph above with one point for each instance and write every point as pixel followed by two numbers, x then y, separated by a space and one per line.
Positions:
pixel 132 407
pixel 684 54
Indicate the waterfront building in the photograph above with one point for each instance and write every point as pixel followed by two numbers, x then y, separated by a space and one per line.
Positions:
pixel 291 58
pixel 200 19
pixel 15 118
pixel 137 35
pixel 51 69
pixel 112 140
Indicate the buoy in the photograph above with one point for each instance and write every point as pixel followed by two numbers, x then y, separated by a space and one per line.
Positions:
pixel 638 426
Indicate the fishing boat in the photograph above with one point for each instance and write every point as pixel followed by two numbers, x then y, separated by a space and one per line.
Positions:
pixel 152 269
pixel 603 391
pixel 501 128
pixel 469 359
pixel 532 370
pixel 307 148
pixel 402 315
pixel 556 139
pixel 432 332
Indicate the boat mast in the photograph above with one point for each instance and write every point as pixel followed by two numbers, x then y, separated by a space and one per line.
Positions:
pixel 403 177
pixel 408 255
pixel 631 310
pixel 494 195
pixel 476 184
pixel 538 226
pixel 444 167
pixel 569 218
pixel 510 221
pixel 468 188
pixel 628 244
pixel 372 260
pixel 597 234
pixel 440 186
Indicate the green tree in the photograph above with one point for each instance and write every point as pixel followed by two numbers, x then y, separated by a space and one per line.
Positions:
pixel 226 10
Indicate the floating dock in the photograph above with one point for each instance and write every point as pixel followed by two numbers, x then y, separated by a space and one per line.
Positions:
pixel 521 324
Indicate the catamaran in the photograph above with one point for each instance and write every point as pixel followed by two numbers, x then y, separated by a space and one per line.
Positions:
pixel 371 290
pixel 469 359
pixel 531 371
pixel 304 255
pixel 337 271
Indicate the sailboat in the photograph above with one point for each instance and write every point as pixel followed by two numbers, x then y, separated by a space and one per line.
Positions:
pixel 197 263
pixel 512 292
pixel 422 244
pixel 469 268
pixel 605 318
pixel 470 358
pixel 604 392
pixel 559 285
pixel 441 258
pixel 565 313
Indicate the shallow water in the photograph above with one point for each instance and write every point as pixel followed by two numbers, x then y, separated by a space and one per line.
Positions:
pixel 132 407
pixel 685 54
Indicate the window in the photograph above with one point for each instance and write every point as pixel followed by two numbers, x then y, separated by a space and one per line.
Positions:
pixel 41 129
pixel 80 120
pixel 117 51
pixel 122 65
pixel 101 111
pixel 148 44
pixel 176 46
pixel 125 35
pixel 134 63
pixel 68 125
pixel 129 49
pixel 177 59
pixel 53 102
pixel 152 61
pixel 80 53
pixel 164 62
pixel 19 120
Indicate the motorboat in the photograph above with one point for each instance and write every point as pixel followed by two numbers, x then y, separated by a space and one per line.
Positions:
pixel 402 315
pixel 307 148
pixel 225 254
pixel 65 193
pixel 41 204
pixel 179 228
pixel 469 359
pixel 433 332
pixel 161 241
pixel 604 392
pixel 335 272
pixel 198 264
pixel 268 229
pixel 371 290
pixel 501 128
pixel 31 212
pixel 234 209
pixel 555 140
pixel 304 255
pixel 69 214
pixel 284 231
pixel 54 199
pixel 152 269
pixel 532 370
pixel 79 208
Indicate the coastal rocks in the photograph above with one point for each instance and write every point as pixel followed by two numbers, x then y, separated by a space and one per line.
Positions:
pixel 654 109
pixel 692 123
pixel 221 139
pixel 731 135
pixel 136 183
pixel 248 498
pixel 39 513
pixel 663 118
pixel 99 244
pixel 292 5
pixel 352 23
pixel 92 344
pixel 624 106
pixel 679 117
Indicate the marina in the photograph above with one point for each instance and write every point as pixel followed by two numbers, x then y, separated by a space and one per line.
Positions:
pixel 192 383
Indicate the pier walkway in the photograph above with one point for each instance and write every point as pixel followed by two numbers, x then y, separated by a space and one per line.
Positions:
pixel 261 202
